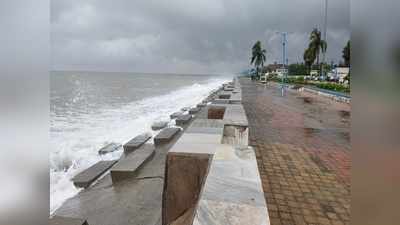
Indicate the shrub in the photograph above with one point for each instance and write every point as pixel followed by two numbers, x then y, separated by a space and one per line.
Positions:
pixel 333 87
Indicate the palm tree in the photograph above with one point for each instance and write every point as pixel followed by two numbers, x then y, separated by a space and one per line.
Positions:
pixel 317 45
pixel 346 54
pixel 309 58
pixel 258 56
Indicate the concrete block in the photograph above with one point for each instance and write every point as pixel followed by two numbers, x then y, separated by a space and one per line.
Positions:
pixel 88 176
pixel 128 165
pixel 109 148
pixel 136 142
pixel 166 135
pixel 183 119
pixel 60 220
pixel 228 89
pixel 175 114
pixel 224 96
pixel 186 177
pixel 159 125
pixel 201 105
pixel 220 101
pixel 194 110
pixel 184 109
pixel 205 130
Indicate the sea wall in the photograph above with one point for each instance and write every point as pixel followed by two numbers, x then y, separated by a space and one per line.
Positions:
pixel 211 172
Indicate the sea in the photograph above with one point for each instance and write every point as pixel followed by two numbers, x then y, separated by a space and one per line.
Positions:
pixel 89 110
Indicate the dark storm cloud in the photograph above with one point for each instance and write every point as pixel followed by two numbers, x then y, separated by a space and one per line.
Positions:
pixel 208 36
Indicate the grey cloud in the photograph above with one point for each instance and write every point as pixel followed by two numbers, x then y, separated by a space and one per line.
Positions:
pixel 208 36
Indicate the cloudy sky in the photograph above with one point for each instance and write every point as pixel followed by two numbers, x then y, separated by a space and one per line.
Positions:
pixel 186 36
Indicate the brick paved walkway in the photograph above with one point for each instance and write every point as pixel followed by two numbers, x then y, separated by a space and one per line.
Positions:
pixel 303 151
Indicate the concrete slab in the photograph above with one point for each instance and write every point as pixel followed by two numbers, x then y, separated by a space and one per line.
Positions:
pixel 166 135
pixel 175 114
pixel 220 101
pixel 88 176
pixel 233 190
pixel 185 178
pixel 183 119
pixel 61 220
pixel 109 148
pixel 228 89
pixel 199 138
pixel 194 110
pixel 224 96
pixel 130 163
pixel 184 109
pixel 201 105
pixel 205 130
pixel 136 142
pixel 159 125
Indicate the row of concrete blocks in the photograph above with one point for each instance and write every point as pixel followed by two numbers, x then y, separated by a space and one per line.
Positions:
pixel 142 152
pixel 136 153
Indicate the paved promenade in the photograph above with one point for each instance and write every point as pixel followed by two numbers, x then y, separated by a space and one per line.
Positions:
pixel 302 145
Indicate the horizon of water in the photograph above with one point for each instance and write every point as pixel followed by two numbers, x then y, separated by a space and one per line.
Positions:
pixel 90 109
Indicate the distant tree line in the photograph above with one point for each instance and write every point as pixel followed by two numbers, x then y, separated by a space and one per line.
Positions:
pixel 311 57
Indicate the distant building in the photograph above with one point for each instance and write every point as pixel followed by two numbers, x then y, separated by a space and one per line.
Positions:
pixel 314 72
pixel 339 74
pixel 277 69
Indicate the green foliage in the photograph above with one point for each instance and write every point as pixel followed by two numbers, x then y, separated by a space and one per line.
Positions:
pixel 315 46
pixel 288 80
pixel 333 87
pixel 309 58
pixel 346 54
pixel 258 56
pixel 297 69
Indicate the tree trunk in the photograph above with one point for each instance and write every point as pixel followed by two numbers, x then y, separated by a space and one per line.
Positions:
pixel 257 72
pixel 319 65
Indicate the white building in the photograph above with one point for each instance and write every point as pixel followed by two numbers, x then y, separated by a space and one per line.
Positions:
pixel 339 73
pixel 314 73
pixel 281 71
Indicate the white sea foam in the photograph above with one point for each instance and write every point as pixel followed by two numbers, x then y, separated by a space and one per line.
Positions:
pixel 76 137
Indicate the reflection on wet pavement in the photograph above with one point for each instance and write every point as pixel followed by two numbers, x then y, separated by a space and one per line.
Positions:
pixel 302 144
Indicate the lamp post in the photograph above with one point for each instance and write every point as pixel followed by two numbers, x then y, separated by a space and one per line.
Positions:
pixel 325 31
pixel 284 60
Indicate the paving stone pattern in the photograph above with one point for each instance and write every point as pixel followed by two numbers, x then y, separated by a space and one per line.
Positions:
pixel 303 154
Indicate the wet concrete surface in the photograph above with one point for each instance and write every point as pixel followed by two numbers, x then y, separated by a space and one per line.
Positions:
pixel 302 144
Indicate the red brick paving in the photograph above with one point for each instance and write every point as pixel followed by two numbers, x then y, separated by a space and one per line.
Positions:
pixel 303 154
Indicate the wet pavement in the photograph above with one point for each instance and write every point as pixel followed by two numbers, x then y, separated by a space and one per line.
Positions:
pixel 302 144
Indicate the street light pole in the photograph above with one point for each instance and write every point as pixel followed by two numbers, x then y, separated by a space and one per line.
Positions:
pixel 325 31
pixel 284 41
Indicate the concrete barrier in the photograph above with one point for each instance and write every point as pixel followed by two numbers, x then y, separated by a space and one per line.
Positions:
pixel 165 135
pixel 183 119
pixel 109 148
pixel 128 165
pixel 60 220
pixel 175 114
pixel 194 110
pixel 136 142
pixel 88 176
pixel 159 125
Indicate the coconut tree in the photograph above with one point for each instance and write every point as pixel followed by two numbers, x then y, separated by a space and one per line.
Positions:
pixel 309 58
pixel 346 54
pixel 317 45
pixel 258 56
